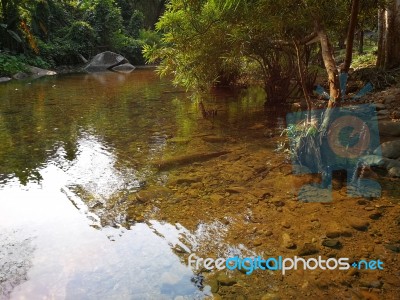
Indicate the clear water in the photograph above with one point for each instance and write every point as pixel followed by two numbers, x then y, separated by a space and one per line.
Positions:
pixel 72 148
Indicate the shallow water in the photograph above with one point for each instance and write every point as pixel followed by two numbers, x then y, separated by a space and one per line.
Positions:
pixel 73 149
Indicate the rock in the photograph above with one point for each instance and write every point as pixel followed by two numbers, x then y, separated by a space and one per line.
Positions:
pixel 369 208
pixel 394 172
pixel 38 72
pixel 285 225
pixel 375 216
pixel 257 243
pixel 393 247
pixel 331 243
pixel 20 75
pixel 389 149
pixel 270 296
pixel 223 279
pixel 373 160
pixel 308 249
pixel 334 233
pixel 380 106
pixel 287 241
pixel 389 128
pixel 391 163
pixel 236 189
pixel 124 68
pixel 105 61
pixel 359 224
pixel 4 79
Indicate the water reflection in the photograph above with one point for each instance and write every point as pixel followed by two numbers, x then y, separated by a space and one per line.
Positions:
pixel 73 153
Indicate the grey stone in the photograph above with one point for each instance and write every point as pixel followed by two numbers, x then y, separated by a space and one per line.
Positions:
pixel 105 61
pixel 373 160
pixel 389 149
pixel 124 68
pixel 394 172
pixel 4 79
pixel 20 75
pixel 308 249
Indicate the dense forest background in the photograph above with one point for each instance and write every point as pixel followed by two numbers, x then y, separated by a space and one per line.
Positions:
pixel 205 43
pixel 49 33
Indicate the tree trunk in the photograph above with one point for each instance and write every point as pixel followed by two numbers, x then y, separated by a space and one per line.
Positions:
pixel 389 37
pixel 350 35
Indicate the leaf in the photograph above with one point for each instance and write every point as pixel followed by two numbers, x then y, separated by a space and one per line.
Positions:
pixel 15 36
pixel 3 25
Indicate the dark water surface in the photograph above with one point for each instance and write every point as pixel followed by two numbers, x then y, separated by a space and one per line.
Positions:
pixel 72 150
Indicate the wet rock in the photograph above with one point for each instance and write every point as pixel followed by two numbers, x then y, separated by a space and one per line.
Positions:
pixel 394 172
pixel 285 224
pixel 389 128
pixel 236 189
pixel 393 247
pixel 308 249
pixel 270 296
pixel 331 243
pixel 105 61
pixel 389 149
pixel 373 160
pixel 268 233
pixel 334 233
pixel 223 279
pixel 4 79
pixel 124 68
pixel 151 194
pixel 359 224
pixel 287 242
pixel 257 242
pixel 279 203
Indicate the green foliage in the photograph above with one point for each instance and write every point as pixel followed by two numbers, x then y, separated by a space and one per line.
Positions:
pixel 136 23
pixel 106 21
pixel 128 47
pixel 9 65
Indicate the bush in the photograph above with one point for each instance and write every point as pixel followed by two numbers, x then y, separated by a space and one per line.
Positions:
pixel 128 47
pixel 10 64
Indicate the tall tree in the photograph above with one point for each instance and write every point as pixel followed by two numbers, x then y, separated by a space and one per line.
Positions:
pixel 389 36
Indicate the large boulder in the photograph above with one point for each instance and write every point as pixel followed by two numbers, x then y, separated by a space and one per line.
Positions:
pixel 105 61
pixel 124 68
